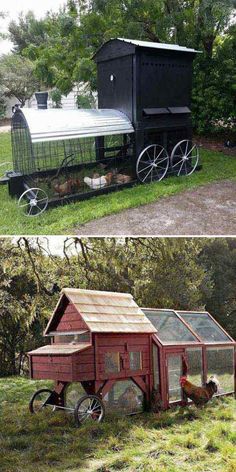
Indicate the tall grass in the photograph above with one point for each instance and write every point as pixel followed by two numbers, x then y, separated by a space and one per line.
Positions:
pixel 216 167
pixel 183 439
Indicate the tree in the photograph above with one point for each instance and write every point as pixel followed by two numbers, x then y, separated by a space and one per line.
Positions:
pixel 17 77
pixel 180 273
pixel 26 31
pixel 219 259
pixel 2 16
pixel 62 45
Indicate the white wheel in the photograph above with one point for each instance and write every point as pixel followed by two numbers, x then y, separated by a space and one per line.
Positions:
pixel 184 157
pixel 89 408
pixel 33 201
pixel 152 163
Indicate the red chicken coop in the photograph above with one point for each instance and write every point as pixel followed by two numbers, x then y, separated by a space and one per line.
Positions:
pixel 125 358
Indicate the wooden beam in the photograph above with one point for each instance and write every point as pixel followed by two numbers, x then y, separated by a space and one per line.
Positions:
pixel 140 383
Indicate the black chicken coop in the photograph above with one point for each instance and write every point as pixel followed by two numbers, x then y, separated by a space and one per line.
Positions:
pixel 141 130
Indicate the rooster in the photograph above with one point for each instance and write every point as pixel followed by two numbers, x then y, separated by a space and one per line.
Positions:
pixel 199 395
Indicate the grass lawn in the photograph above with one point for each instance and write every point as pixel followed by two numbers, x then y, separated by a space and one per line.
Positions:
pixel 187 439
pixel 64 219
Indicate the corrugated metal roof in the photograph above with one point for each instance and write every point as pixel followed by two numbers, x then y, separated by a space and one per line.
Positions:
pixel 56 124
pixel 105 312
pixel 65 349
pixel 149 44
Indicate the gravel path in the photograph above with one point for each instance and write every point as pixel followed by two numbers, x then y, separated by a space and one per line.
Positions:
pixel 208 210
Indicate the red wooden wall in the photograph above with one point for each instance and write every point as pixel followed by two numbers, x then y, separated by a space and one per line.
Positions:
pixel 67 368
pixel 123 344
pixel 70 320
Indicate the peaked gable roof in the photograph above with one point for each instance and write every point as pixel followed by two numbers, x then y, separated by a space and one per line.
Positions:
pixel 105 312
pixel 118 47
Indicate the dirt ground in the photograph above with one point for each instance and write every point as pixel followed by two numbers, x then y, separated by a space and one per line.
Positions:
pixel 208 210
pixel 217 144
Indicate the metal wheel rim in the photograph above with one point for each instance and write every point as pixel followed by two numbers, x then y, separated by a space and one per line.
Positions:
pixel 40 402
pixel 90 409
pixel 183 152
pixel 156 162
pixel 40 198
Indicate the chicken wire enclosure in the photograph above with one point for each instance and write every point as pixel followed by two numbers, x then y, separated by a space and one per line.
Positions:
pixel 220 363
pixel 205 327
pixel 70 154
pixel 124 398
pixel 195 365
pixel 194 339
pixel 170 328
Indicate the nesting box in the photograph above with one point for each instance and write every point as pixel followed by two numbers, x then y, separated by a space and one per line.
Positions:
pixel 151 83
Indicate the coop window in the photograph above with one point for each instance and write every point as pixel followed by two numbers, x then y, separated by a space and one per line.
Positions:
pixel 170 328
pixel 220 363
pixel 68 338
pixel 112 362
pixel 203 325
pixel 156 372
pixel 195 368
pixel 135 360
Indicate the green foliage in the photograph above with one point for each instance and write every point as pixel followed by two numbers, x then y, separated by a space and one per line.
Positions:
pixel 179 439
pixel 17 77
pixel 56 98
pixel 2 104
pixel 62 45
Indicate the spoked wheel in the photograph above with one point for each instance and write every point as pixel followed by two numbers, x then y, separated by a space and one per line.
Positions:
pixel 184 157
pixel 152 163
pixel 89 408
pixel 39 400
pixel 33 201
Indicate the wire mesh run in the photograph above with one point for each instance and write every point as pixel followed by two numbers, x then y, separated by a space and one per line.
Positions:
pixel 220 363
pixel 72 166
pixel 124 398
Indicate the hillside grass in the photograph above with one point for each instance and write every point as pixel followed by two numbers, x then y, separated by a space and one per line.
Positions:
pixel 182 439
pixel 65 219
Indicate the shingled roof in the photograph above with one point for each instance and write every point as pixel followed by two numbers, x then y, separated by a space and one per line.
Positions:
pixel 106 312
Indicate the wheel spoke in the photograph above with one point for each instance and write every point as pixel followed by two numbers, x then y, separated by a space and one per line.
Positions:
pixel 155 159
pixel 42 200
pixel 190 150
pixel 177 163
pixel 150 165
pixel 150 159
pixel 147 174
pixel 24 205
pixel 181 168
pixel 162 160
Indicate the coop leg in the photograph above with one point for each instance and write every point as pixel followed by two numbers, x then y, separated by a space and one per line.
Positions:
pixel 59 389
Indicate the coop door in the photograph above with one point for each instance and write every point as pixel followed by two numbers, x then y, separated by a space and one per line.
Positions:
pixel 175 369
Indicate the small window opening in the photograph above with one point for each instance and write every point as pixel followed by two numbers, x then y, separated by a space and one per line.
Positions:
pixel 112 362
pixel 135 360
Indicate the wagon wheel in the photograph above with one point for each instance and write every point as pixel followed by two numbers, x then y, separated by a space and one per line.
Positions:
pixel 184 157
pixel 152 163
pixel 39 400
pixel 89 408
pixel 37 201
